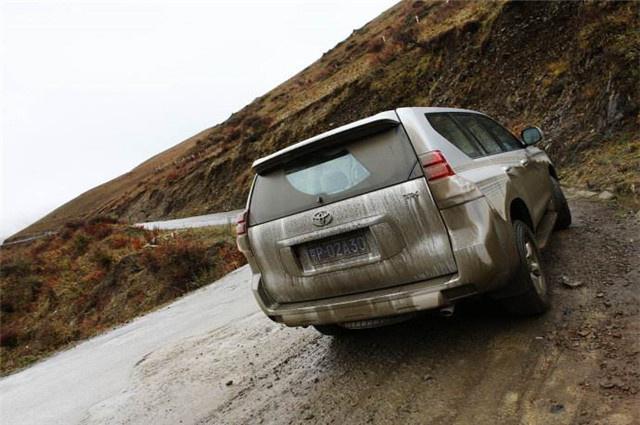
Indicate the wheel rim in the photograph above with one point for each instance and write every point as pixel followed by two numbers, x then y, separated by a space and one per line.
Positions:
pixel 535 270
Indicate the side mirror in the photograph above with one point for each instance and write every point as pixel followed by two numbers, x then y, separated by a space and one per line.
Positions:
pixel 531 135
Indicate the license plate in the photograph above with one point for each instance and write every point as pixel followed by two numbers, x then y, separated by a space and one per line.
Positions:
pixel 336 249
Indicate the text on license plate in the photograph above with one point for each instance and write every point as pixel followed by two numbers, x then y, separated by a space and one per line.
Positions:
pixel 337 249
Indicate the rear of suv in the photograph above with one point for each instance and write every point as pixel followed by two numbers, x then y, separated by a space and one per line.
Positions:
pixel 405 211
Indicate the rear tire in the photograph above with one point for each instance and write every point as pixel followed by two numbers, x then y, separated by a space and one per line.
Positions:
pixel 530 281
pixel 561 206
pixel 330 330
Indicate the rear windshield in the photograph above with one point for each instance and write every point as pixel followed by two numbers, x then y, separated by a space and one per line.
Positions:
pixel 333 174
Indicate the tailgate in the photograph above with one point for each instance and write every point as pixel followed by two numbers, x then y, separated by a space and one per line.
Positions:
pixel 379 239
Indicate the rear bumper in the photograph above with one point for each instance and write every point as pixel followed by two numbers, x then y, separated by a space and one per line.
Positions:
pixel 425 295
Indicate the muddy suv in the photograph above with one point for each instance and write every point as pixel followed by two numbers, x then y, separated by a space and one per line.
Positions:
pixel 405 211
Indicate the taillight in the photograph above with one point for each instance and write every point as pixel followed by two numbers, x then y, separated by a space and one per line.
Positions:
pixel 241 223
pixel 435 166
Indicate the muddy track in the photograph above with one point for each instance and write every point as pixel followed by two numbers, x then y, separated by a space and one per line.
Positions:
pixel 576 365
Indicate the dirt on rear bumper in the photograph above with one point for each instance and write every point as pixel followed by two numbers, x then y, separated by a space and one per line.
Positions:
pixel 403 299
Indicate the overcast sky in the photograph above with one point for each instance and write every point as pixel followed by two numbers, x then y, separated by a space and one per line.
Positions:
pixel 92 88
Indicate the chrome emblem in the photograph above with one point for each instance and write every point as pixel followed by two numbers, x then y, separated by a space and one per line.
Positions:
pixel 322 218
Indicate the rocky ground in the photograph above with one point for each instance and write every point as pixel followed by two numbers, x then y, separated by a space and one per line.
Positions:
pixel 578 364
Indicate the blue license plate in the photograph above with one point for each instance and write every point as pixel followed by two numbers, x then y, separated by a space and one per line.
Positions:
pixel 336 249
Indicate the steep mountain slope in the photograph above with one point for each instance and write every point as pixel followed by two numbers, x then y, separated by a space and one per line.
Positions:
pixel 570 67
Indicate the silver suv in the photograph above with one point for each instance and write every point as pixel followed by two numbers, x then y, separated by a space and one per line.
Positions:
pixel 405 211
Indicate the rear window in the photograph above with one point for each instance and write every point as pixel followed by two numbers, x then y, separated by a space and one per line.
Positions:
pixel 333 174
pixel 328 177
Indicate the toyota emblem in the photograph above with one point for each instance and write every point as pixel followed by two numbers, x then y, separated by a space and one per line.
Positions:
pixel 322 218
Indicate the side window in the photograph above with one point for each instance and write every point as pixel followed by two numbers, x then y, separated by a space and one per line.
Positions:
pixel 448 129
pixel 506 139
pixel 473 125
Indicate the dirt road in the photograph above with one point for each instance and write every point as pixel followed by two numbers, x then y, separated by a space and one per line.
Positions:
pixel 579 364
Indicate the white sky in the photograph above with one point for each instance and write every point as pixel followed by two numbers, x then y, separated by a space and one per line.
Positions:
pixel 92 88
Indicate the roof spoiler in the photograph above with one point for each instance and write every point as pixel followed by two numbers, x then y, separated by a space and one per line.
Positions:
pixel 353 131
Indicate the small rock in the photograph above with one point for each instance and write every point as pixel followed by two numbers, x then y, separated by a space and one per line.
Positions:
pixel 584 332
pixel 427 378
pixel 600 294
pixel 606 195
pixel 585 193
pixel 570 283
pixel 309 417
pixel 556 408
pixel 229 383
pixel 607 384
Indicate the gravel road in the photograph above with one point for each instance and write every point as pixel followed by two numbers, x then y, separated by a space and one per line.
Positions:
pixel 212 358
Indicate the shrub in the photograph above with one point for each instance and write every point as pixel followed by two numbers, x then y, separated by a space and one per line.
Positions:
pixel 180 262
pixel 99 231
pixel 173 176
pixel 52 333
pixel 407 37
pixel 229 258
pixel 74 224
pixel 234 135
pixel 257 123
pixel 40 246
pixel 136 244
pixel 375 46
pixel 102 258
pixel 104 219
pixel 66 233
pixel 152 236
pixel 19 294
pixel 80 244
pixel 119 242
pixel 18 267
pixel 94 277
pixel 8 338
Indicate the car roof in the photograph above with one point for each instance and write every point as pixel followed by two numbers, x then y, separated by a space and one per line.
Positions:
pixel 433 109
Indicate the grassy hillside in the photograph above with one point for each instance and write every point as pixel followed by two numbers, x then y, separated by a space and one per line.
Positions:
pixel 571 68
pixel 97 274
